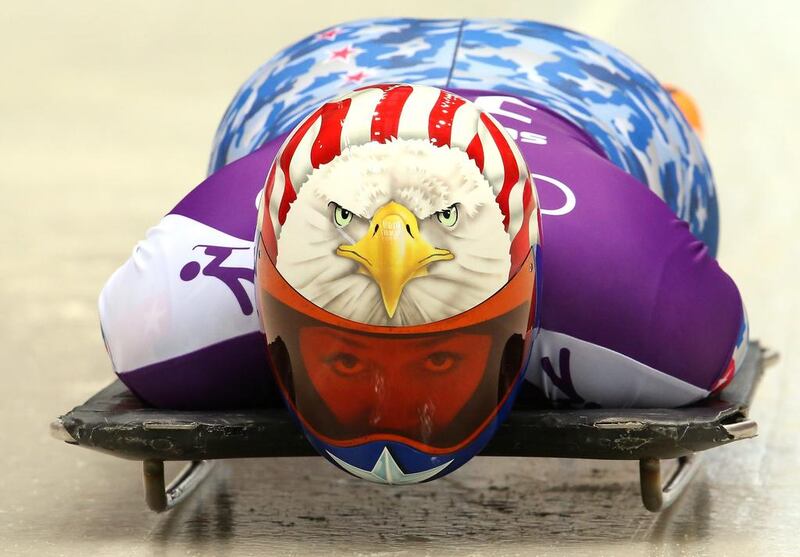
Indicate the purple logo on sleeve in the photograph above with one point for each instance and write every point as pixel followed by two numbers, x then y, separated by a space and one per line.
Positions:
pixel 232 277
pixel 563 380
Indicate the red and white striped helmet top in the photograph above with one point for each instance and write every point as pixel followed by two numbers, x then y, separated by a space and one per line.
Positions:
pixel 385 111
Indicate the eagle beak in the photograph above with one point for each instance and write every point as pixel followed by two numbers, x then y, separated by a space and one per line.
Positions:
pixel 393 252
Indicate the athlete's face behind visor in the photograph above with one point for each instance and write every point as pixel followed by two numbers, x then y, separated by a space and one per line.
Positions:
pixel 431 386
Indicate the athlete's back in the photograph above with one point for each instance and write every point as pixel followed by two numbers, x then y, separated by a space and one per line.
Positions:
pixel 635 311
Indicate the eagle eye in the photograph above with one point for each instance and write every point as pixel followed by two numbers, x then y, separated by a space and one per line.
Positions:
pixel 341 216
pixel 449 216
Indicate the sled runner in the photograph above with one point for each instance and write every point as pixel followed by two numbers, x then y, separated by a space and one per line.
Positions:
pixel 114 421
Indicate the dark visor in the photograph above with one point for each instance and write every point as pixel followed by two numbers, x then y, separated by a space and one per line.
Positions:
pixel 433 386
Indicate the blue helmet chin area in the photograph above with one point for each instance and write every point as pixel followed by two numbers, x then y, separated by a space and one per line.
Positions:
pixel 397 463
pixel 405 446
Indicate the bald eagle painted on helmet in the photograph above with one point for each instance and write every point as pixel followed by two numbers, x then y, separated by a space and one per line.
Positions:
pixel 396 233
pixel 398 205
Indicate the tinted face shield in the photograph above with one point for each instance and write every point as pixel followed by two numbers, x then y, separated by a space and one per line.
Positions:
pixel 433 386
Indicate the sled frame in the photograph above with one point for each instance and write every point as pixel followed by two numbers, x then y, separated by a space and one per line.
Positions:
pixel 116 422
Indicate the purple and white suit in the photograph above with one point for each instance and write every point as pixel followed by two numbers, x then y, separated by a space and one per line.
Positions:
pixel 635 311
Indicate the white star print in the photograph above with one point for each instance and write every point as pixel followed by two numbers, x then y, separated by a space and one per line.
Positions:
pixel 386 470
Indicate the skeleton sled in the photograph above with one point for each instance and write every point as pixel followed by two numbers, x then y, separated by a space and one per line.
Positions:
pixel 115 422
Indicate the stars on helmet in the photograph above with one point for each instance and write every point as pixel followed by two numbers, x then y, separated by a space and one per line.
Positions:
pixel 343 53
pixel 330 34
pixel 357 77
pixel 387 471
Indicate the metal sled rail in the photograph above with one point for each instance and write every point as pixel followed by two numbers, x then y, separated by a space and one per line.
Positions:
pixel 116 422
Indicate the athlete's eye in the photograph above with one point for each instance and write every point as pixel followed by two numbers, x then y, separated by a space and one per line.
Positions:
pixel 341 216
pixel 441 362
pixel 449 216
pixel 344 363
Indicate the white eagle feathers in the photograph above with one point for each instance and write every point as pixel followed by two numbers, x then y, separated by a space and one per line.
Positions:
pixel 429 182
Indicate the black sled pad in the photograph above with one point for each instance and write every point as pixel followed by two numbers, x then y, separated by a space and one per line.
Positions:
pixel 116 422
